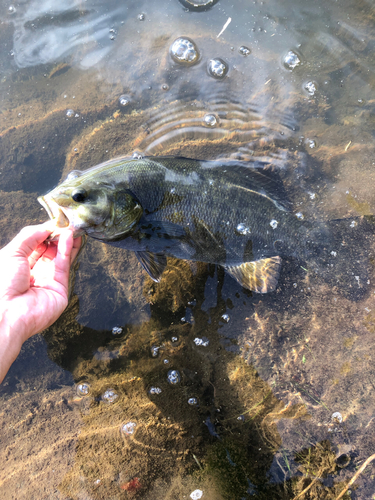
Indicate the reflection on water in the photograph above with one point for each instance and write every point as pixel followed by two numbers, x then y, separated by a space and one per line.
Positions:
pixel 194 385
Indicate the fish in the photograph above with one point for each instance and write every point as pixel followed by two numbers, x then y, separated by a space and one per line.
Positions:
pixel 230 213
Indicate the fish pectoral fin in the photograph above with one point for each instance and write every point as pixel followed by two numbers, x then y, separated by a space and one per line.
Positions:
pixel 161 229
pixel 153 263
pixel 259 276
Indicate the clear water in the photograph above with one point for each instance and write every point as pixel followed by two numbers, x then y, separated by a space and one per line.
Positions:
pixel 269 395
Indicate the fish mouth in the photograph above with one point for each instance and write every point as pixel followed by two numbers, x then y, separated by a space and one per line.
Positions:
pixel 55 213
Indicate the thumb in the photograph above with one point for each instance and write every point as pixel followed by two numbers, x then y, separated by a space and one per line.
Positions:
pixel 62 259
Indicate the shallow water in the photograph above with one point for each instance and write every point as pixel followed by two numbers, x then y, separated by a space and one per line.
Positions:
pixel 274 393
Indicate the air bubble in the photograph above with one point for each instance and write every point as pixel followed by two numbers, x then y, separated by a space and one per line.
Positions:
pixel 337 416
pixel 244 51
pixel 174 377
pixel 274 224
pixel 155 390
pixel 225 317
pixel 109 396
pixel 116 330
pixel 70 113
pixel 198 4
pixel 217 68
pixel 242 228
pixel 124 100
pixel 203 341
pixel 155 351
pixel 184 51
pixel 73 175
pixel 210 120
pixel 196 494
pixel 353 223
pixel 174 339
pixel 83 389
pixel 300 215
pixel 12 9
pixel 310 88
pixel 129 428
pixel 192 401
pixel 137 155
pixel 166 361
pixel 291 60
pixel 141 17
pixel 311 143
pixel 165 86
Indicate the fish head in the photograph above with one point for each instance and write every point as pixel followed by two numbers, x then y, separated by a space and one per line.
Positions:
pixel 91 205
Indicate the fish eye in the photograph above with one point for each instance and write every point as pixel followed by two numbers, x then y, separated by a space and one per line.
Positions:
pixel 79 195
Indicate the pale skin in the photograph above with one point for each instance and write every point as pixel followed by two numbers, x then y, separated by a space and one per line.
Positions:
pixel 34 282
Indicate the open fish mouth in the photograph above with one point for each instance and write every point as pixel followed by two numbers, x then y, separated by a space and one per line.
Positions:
pixel 56 214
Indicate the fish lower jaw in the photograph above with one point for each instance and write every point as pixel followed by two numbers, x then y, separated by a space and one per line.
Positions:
pixel 59 216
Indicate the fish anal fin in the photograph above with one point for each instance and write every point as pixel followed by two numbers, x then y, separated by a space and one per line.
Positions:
pixel 153 263
pixel 259 276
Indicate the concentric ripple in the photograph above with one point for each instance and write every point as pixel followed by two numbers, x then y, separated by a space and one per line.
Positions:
pixel 243 125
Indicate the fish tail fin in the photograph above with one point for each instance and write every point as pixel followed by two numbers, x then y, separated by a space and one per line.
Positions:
pixel 259 276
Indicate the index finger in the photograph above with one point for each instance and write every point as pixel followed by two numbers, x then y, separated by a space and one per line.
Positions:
pixel 28 239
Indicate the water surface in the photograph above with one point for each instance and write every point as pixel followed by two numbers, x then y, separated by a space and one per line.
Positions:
pixel 274 393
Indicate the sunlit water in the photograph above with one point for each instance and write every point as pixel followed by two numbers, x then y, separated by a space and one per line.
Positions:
pixel 194 387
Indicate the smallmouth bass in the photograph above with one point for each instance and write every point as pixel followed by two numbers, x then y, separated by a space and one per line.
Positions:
pixel 227 213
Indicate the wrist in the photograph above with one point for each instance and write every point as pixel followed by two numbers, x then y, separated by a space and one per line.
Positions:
pixel 11 325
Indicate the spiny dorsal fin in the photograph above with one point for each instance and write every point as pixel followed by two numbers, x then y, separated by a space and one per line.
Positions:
pixel 258 276
pixel 153 263
pixel 253 177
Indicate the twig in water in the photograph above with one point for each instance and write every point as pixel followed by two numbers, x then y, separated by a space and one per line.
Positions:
pixel 306 489
pixel 359 471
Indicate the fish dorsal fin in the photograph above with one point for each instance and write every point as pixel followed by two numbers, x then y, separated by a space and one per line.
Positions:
pixel 153 263
pixel 258 276
pixel 253 177
pixel 257 176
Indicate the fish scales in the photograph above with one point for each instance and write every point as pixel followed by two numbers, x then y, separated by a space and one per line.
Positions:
pixel 210 209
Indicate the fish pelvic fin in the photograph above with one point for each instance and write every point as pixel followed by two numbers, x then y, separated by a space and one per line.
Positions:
pixel 259 276
pixel 153 263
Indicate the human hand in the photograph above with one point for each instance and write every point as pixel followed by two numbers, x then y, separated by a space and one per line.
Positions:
pixel 34 286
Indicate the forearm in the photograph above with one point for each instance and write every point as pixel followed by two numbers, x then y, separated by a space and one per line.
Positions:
pixel 10 341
